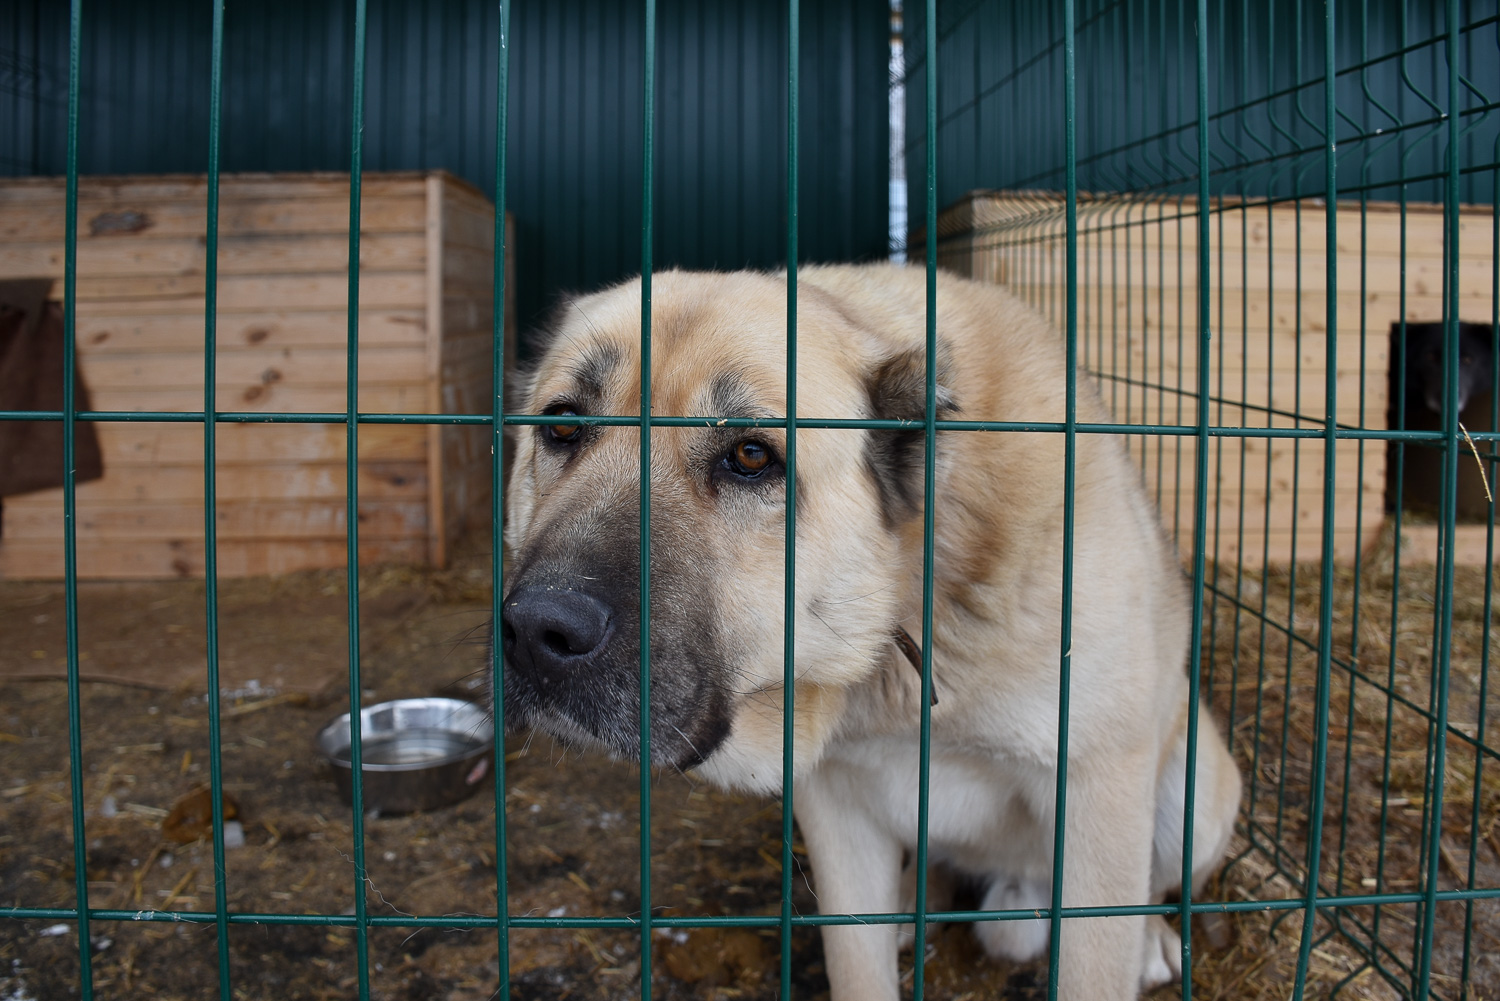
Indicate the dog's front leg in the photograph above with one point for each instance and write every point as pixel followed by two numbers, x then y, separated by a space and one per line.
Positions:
pixel 1107 862
pixel 856 870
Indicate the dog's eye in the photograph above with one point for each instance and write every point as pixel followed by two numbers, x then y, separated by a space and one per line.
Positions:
pixel 748 459
pixel 562 434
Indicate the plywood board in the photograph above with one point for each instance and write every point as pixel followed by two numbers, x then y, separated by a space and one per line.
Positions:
pixel 156 445
pixel 1268 303
pixel 100 331
pixel 140 559
pixel 234 519
pixel 281 332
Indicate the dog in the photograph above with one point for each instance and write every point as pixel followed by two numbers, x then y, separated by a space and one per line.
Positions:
pixel 1424 363
pixel 1420 485
pixel 570 622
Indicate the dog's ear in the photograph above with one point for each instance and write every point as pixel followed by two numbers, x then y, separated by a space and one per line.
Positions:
pixel 897 388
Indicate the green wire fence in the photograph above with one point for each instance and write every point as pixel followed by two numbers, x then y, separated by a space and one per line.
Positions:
pixel 1323 114
pixel 1114 134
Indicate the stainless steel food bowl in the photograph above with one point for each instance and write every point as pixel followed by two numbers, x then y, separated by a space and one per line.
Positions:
pixel 417 754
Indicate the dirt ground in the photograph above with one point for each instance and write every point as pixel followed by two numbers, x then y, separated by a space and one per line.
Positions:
pixel 1380 774
pixel 573 830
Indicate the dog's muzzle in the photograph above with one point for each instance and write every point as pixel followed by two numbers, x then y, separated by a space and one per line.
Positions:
pixel 572 663
pixel 555 636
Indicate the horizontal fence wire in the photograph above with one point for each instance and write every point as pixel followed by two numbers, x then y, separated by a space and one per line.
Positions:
pixel 1325 903
pixel 1342 432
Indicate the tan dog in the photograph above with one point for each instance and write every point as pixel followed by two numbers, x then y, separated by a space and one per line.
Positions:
pixel 571 618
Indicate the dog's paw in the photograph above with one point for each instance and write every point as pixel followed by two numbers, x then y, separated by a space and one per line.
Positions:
pixel 1163 960
pixel 940 888
pixel 1021 940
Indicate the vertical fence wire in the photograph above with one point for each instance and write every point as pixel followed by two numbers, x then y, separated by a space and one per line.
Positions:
pixel 497 497
pixel 1351 704
pixel 210 496
pixel 929 495
pixel 1287 128
pixel 351 517
pixel 1070 451
pixel 1318 776
pixel 1417 971
pixel 789 584
pixel 1490 469
pixel 1398 479
pixel 648 137
pixel 1448 516
pixel 70 511
pixel 1200 489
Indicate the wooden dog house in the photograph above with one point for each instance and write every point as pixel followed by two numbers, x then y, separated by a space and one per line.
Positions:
pixel 425 329
pixel 1137 332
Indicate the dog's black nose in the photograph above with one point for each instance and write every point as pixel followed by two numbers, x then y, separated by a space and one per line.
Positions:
pixel 549 631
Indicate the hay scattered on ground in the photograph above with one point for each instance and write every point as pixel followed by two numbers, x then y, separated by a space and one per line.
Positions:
pixel 573 841
pixel 1379 780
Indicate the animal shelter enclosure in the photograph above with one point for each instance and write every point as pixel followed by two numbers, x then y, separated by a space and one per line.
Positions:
pixel 1236 214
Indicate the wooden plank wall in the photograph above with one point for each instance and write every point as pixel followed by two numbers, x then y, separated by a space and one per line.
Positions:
pixel 281 334
pixel 1137 322
pixel 464 364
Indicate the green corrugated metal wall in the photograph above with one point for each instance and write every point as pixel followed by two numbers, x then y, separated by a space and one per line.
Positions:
pixel 575 160
pixel 1000 97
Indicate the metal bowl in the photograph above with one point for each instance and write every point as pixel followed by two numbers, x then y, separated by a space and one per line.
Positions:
pixel 416 754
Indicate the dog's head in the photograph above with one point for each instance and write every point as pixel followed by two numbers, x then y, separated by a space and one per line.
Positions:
pixel 571 620
pixel 1426 359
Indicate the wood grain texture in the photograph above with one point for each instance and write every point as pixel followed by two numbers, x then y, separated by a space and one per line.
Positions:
pixel 426 270
pixel 1268 298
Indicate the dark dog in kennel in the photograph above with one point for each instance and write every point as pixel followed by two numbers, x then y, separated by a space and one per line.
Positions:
pixel 1422 466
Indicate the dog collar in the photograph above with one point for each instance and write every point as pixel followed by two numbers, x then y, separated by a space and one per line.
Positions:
pixel 913 653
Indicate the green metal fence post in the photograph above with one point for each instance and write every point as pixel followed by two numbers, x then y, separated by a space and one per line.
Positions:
pixel 1490 469
pixel 1070 455
pixel 648 137
pixel 1318 777
pixel 70 511
pixel 351 515
pixel 1443 614
pixel 1359 565
pixel 497 497
pixel 210 497
pixel 929 494
pixel 1200 496
pixel 789 584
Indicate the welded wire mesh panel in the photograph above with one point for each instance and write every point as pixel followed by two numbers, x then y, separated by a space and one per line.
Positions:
pixel 1330 279
pixel 1267 233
